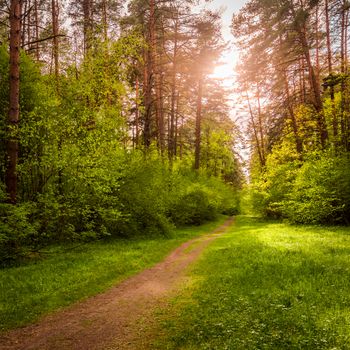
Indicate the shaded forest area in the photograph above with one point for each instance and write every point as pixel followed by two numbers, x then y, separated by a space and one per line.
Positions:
pixel 294 83
pixel 109 121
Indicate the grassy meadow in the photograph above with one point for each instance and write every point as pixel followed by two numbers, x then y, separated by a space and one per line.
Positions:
pixel 265 285
pixel 65 274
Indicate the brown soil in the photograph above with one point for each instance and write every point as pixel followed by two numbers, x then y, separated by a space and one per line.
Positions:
pixel 120 318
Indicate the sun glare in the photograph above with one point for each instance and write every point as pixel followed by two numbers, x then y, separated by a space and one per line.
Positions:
pixel 224 70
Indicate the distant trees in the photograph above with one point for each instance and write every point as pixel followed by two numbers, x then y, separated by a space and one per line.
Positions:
pixel 294 79
pixel 111 117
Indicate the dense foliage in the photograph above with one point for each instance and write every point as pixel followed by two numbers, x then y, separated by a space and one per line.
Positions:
pixel 295 84
pixel 100 149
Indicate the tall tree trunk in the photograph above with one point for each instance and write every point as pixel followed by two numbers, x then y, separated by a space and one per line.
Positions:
pixel 36 18
pixel 159 110
pixel 302 85
pixel 181 136
pixel 261 131
pixel 321 122
pixel 24 22
pixel 298 140
pixel 255 132
pixel 176 124
pixel 171 146
pixel 347 110
pixel 159 95
pixel 343 118
pixel 105 21
pixel 13 116
pixel 55 29
pixel 317 46
pixel 330 70
pixel 328 39
pixel 148 76
pixel 198 123
pixel 137 112
pixel 87 25
pixel 315 88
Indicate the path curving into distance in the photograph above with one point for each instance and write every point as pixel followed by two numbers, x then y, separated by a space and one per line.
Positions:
pixel 118 319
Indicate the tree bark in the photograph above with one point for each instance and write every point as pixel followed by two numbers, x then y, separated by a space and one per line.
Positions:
pixel 171 146
pixel 255 131
pixel 148 77
pixel 13 116
pixel 328 39
pixel 36 17
pixel 87 26
pixel 261 131
pixel 137 112
pixel 198 123
pixel 54 9
pixel 321 122
pixel 298 140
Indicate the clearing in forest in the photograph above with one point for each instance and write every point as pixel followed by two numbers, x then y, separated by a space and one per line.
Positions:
pixel 265 285
pixel 122 317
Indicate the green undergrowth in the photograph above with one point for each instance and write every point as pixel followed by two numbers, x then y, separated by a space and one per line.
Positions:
pixel 66 274
pixel 265 285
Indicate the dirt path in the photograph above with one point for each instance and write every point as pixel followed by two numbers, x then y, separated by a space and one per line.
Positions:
pixel 120 318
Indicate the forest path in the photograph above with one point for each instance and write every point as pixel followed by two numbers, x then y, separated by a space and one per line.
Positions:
pixel 118 319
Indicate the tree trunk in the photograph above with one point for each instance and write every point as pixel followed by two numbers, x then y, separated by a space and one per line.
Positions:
pixel 261 131
pixel 330 69
pixel 255 131
pixel 159 97
pixel 328 39
pixel 321 122
pixel 24 23
pixel 343 92
pixel 148 77
pixel 171 146
pixel 176 124
pixel 54 9
pixel 36 17
pixel 13 116
pixel 87 26
pixel 137 113
pixel 317 46
pixel 298 140
pixel 105 21
pixel 198 123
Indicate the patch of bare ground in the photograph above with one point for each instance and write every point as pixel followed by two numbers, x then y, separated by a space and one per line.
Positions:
pixel 122 317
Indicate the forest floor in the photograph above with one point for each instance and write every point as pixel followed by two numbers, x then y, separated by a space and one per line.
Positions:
pixel 121 318
pixel 264 285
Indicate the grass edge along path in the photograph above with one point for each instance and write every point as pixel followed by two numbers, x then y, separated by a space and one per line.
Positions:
pixel 31 291
pixel 265 285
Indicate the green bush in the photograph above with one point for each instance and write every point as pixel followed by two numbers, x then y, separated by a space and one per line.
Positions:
pixel 17 232
pixel 143 197
pixel 315 191
pixel 193 208
pixel 320 192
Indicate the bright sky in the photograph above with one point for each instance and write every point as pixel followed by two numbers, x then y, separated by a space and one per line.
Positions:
pixel 230 57
pixel 229 60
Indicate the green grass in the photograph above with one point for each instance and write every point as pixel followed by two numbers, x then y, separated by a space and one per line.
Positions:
pixel 62 278
pixel 266 286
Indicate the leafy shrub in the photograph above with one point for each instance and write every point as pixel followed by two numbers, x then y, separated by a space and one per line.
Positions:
pixel 316 190
pixel 143 197
pixel 193 208
pixel 17 232
pixel 320 192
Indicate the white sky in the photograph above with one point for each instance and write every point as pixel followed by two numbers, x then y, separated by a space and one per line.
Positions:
pixel 230 57
pixel 229 60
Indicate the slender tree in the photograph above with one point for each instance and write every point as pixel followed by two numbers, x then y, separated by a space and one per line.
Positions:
pixel 13 117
